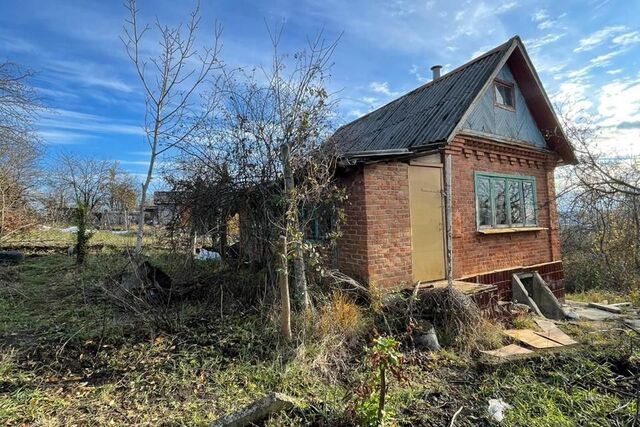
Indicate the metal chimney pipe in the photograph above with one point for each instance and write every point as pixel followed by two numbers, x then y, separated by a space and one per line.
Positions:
pixel 436 71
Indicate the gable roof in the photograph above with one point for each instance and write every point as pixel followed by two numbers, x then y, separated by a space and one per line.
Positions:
pixel 431 115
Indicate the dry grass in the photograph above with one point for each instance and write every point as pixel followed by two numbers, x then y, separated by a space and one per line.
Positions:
pixel 340 316
pixel 523 321
pixel 332 337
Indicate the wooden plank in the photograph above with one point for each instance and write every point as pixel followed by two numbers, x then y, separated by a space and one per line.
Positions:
pixel 507 352
pixel 609 308
pixel 468 288
pixel 530 338
pixel 552 332
pixel 621 305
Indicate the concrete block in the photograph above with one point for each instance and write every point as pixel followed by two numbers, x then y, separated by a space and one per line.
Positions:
pixel 257 411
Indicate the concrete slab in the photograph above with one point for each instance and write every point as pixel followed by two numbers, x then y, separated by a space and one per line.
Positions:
pixel 605 307
pixel 594 314
pixel 257 411
pixel 633 324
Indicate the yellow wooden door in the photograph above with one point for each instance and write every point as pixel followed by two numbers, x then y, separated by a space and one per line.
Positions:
pixel 427 230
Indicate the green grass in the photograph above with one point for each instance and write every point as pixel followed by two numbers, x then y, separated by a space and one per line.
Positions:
pixel 55 237
pixel 601 296
pixel 69 355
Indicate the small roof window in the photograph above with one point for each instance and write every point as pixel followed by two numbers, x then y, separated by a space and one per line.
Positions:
pixel 504 96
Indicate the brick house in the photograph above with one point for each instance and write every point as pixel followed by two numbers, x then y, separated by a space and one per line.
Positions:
pixel 486 134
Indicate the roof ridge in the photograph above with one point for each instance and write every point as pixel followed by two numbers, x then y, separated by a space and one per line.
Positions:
pixel 438 80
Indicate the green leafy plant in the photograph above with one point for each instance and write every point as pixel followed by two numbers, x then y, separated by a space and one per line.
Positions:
pixel 383 358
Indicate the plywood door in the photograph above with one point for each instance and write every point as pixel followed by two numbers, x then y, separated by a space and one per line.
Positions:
pixel 427 229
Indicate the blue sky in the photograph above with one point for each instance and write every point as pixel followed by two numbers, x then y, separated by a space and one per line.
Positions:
pixel 586 51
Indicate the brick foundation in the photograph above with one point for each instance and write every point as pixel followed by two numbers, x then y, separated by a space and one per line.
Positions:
pixel 552 273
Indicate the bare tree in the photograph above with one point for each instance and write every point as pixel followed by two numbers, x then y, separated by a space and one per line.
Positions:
pixel 269 146
pixel 122 193
pixel 86 180
pixel 19 145
pixel 599 210
pixel 170 80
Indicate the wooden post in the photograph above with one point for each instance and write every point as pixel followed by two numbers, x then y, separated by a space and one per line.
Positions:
pixel 283 284
pixel 448 219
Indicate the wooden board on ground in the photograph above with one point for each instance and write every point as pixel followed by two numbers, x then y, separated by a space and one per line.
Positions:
pixel 552 332
pixel 508 352
pixel 609 308
pixel 467 288
pixel 531 338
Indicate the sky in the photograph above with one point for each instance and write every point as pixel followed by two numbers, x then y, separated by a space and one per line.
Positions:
pixel 586 52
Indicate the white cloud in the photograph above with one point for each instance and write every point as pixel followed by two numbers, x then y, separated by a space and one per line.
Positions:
pixel 626 39
pixel 596 62
pixel 598 37
pixel 543 41
pixel 543 20
pixel 545 25
pixel 354 114
pixel 505 7
pixel 574 96
pixel 418 74
pixel 480 18
pixel 65 126
pixel 619 102
pixel 539 15
pixel 62 137
pixel 616 71
pixel 383 89
pixel 86 73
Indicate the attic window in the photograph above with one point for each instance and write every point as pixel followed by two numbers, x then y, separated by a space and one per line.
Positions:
pixel 504 96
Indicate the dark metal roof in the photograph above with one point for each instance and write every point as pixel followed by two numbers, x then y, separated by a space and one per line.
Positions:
pixel 423 117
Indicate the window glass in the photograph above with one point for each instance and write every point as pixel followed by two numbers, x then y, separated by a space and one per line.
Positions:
pixel 504 95
pixel 505 201
pixel 500 201
pixel 484 202
pixel 529 203
pixel 318 222
pixel 515 202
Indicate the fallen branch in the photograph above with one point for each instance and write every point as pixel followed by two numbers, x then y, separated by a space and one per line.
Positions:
pixel 455 415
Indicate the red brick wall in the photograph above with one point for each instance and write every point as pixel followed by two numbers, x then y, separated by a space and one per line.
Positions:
pixel 352 245
pixel 475 253
pixel 388 224
pixel 376 238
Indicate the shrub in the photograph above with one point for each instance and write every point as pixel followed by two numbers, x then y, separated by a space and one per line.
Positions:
pixel 455 316
pixel 340 316
pixel 383 358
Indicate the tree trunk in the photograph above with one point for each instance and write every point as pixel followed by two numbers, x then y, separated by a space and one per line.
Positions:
pixel 140 231
pixel 147 182
pixel 283 284
pixel 292 223
pixel 194 241
pixel 2 211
